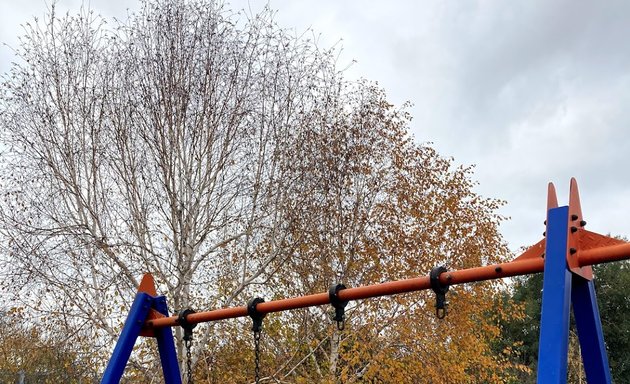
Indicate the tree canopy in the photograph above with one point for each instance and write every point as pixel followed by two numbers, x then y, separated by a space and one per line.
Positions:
pixel 232 159
pixel 27 350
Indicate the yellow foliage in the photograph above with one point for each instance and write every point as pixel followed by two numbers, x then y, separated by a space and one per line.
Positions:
pixel 374 207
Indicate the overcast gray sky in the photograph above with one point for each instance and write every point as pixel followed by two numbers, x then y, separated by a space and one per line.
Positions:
pixel 530 91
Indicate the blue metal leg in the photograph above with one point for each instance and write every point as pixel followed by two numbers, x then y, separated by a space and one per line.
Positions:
pixel 166 346
pixel 130 332
pixel 554 323
pixel 589 327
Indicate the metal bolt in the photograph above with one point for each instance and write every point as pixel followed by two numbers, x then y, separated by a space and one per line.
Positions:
pixel 544 233
pixel 498 269
pixel 574 217
pixel 572 251
pixel 582 223
pixel 573 229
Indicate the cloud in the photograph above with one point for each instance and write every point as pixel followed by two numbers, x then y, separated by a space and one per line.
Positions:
pixel 530 92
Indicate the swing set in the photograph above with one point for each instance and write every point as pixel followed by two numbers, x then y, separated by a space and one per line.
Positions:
pixel 565 254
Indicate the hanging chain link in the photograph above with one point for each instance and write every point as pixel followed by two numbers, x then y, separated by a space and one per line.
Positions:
pixel 188 336
pixel 188 344
pixel 257 356
pixel 257 318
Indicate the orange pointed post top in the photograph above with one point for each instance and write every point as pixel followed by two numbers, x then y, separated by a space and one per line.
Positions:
pixel 576 228
pixel 147 285
pixel 552 198
pixel 579 239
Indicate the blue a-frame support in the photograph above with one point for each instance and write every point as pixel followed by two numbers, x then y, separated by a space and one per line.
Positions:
pixel 561 288
pixel 142 305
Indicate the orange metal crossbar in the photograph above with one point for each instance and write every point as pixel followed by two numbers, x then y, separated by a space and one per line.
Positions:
pixel 604 254
pixel 394 287
pixel 522 266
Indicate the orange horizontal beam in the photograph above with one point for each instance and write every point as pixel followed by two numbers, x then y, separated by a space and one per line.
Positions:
pixel 604 254
pixel 390 288
pixel 518 267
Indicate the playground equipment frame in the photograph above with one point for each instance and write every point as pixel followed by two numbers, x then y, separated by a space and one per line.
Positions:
pixel 565 256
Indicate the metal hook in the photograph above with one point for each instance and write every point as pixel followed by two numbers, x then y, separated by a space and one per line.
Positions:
pixel 440 291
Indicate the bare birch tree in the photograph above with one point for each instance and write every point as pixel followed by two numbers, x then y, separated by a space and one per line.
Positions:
pixel 158 146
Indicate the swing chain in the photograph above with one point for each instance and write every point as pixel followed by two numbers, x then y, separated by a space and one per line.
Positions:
pixel 257 318
pixel 188 336
pixel 188 344
pixel 339 305
pixel 257 356
pixel 440 291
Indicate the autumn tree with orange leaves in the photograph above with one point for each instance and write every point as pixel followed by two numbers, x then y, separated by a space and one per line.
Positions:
pixel 231 159
pixel 373 206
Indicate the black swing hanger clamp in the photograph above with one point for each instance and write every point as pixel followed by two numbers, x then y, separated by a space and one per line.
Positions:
pixel 256 316
pixel 339 305
pixel 186 326
pixel 440 290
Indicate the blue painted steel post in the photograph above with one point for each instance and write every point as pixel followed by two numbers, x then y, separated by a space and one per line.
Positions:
pixel 554 323
pixel 589 327
pixel 166 346
pixel 130 332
